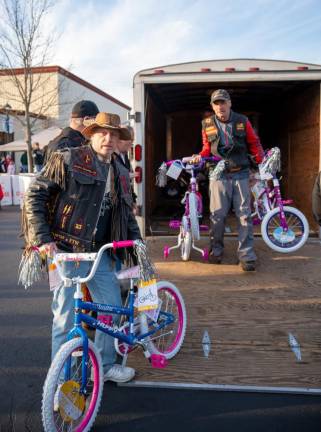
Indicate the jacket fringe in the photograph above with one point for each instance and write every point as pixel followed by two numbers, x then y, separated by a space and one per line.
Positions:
pixel 54 169
pixel 32 267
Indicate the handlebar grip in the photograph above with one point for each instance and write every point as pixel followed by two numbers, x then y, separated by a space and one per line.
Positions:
pixel 187 159
pixel 123 244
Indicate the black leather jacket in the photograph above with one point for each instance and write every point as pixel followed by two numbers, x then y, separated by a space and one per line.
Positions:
pixel 68 138
pixel 63 203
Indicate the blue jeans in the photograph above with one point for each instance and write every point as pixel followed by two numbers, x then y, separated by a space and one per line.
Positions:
pixel 104 288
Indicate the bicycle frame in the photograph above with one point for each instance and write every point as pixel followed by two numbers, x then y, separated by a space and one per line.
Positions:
pixel 185 224
pixel 79 305
pixel 272 198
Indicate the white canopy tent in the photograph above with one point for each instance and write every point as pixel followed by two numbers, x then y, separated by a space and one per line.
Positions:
pixel 42 137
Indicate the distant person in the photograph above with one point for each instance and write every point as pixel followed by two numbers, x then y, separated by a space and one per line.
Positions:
pixel 3 165
pixel 37 157
pixel 24 162
pixel 71 136
pixel 121 151
pixel 11 167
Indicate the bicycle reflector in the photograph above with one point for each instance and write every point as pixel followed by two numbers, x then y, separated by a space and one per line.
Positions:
pixel 138 174
pixel 138 152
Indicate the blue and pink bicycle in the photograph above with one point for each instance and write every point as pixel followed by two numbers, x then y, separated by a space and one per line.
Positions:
pixel 74 384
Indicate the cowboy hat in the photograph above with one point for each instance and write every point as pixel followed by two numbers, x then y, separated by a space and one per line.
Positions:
pixel 105 121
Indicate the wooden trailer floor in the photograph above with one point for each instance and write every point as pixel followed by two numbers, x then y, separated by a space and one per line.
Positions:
pixel 248 317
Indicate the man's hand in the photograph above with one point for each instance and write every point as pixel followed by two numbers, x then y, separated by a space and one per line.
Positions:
pixel 196 159
pixel 48 249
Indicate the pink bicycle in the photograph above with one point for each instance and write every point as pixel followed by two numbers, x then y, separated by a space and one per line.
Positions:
pixel 189 226
pixel 284 228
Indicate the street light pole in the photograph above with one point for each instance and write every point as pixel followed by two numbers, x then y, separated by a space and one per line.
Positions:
pixel 7 109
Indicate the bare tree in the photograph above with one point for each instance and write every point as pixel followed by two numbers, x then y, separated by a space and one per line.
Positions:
pixel 25 45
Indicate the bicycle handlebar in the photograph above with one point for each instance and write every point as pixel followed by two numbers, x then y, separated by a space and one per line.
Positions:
pixel 187 159
pixel 95 257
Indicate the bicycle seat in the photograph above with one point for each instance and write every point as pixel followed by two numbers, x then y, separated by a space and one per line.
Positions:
pixel 129 273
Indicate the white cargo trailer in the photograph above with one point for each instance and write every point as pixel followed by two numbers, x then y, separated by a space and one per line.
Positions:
pixel 281 98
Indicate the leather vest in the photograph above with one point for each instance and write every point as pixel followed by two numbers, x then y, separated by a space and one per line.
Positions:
pixel 76 212
pixel 237 155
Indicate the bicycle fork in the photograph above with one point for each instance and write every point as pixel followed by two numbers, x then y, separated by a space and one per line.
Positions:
pixel 78 331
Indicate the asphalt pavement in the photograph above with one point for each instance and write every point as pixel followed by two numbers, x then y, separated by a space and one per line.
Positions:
pixel 25 327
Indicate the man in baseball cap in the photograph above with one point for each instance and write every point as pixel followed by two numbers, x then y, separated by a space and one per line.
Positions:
pixel 231 137
pixel 71 136
pixel 220 94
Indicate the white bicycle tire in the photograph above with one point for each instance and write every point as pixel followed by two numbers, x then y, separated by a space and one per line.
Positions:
pixel 52 378
pixel 195 228
pixel 268 241
pixel 186 245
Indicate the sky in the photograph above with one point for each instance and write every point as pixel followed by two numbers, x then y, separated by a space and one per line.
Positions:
pixel 106 42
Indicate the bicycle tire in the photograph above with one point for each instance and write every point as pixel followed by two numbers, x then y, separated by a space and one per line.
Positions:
pixel 186 245
pixel 270 226
pixel 54 420
pixel 158 344
pixel 192 203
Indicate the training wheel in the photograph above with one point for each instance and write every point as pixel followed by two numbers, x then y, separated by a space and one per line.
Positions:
pixel 205 254
pixel 166 251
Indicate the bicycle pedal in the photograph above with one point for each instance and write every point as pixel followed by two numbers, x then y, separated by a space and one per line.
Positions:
pixel 203 228
pixel 174 224
pixel 158 361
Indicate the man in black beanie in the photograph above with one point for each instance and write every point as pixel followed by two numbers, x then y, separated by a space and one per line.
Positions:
pixel 71 136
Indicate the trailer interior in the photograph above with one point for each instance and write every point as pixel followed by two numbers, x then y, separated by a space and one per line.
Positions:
pixel 285 114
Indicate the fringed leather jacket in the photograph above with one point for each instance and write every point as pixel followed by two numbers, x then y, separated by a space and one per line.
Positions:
pixel 63 204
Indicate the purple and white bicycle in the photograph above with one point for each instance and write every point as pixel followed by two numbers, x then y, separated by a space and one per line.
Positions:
pixel 189 226
pixel 284 228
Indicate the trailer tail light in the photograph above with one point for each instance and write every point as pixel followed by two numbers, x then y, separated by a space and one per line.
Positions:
pixel 206 70
pixel 254 69
pixel 158 71
pixel 138 152
pixel 138 174
pixel 302 68
pixel 229 69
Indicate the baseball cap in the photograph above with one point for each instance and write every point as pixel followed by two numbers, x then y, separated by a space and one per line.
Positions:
pixel 84 108
pixel 220 94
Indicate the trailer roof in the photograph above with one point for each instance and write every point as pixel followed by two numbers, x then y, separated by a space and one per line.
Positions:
pixel 223 64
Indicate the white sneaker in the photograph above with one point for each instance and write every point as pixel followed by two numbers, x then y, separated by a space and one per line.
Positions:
pixel 119 373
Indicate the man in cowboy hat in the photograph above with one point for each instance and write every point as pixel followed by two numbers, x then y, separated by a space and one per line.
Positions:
pixel 88 207
pixel 71 136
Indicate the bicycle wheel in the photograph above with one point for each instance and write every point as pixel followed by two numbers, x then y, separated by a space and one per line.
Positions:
pixel 192 202
pixel 186 245
pixel 64 408
pixel 121 347
pixel 168 340
pixel 285 241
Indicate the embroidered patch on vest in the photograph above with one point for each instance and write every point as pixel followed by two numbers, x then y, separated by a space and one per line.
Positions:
pixel 210 130
pixel 240 126
pixel 67 210
pixel 78 226
pixel 87 159
pixel 82 169
pixel 66 238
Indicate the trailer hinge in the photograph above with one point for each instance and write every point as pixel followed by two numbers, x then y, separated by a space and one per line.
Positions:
pixel 136 116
